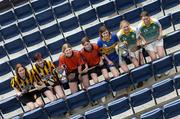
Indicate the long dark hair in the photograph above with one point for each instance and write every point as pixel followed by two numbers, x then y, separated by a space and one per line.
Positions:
pixel 18 65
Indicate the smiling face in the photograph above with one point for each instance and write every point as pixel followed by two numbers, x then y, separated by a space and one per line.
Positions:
pixel 106 35
pixel 40 62
pixel 21 71
pixel 87 46
pixel 125 27
pixel 68 52
pixel 146 20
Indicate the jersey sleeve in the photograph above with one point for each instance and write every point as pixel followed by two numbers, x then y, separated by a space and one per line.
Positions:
pixel 80 59
pixel 13 85
pixel 99 43
pixel 115 37
pixel 61 61
pixel 157 22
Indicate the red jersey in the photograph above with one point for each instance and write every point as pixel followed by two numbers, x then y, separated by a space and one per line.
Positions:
pixel 92 57
pixel 72 62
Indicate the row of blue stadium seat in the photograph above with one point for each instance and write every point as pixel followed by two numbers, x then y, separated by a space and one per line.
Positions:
pixel 53 31
pixel 96 92
pixel 74 22
pixel 169 110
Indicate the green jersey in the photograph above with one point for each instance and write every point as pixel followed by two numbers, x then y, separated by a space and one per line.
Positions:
pixel 130 38
pixel 150 32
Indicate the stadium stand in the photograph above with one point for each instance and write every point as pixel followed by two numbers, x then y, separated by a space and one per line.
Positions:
pixel 28 26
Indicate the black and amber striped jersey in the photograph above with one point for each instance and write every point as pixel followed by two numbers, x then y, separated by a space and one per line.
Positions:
pixel 21 84
pixel 40 72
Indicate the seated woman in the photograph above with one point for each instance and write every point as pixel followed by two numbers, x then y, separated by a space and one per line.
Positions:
pixel 107 42
pixel 22 83
pixel 128 38
pixel 75 67
pixel 91 54
pixel 43 69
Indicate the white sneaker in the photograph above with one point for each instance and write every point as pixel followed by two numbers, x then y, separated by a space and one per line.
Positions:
pixel 159 75
pixel 103 99
pixel 114 93
pixel 167 73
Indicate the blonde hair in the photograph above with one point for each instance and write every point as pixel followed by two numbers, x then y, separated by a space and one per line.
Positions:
pixel 65 46
pixel 123 22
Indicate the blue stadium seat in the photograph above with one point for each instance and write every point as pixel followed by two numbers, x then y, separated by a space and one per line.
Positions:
pixel 123 4
pixel 98 90
pixel 165 22
pixel 55 47
pixel 106 9
pixel 87 17
pixel 113 23
pixel 97 113
pixel 56 108
pixel 77 99
pixel 10 104
pixel 14 46
pixel 176 56
pixel 133 15
pixel 141 73
pixel 80 4
pixel 172 109
pixel 1 38
pixel 56 2
pixel 162 65
pixel 166 4
pixel 39 5
pixel 23 11
pixel 24 60
pixel 43 50
pixel 75 39
pixel 120 82
pixel 92 32
pixel 51 31
pixel 118 106
pixel 153 10
pixel 35 114
pixel 10 31
pixel 162 88
pixel 77 117
pixel 140 97
pixel 139 1
pixel 27 24
pixel 177 83
pixel 45 17
pixel 33 39
pixel 153 114
pixel 62 10
pixel 176 18
pixel 5 69
pixel 95 1
pixel 16 117
pixel 69 24
pixel 171 39
pixel 5 86
pixel 3 52
pixel 7 18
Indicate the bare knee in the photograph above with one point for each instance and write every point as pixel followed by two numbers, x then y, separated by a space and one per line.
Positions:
pixel 31 105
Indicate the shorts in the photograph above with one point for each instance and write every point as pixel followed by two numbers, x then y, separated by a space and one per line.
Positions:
pixel 83 67
pixel 97 70
pixel 75 79
pixel 30 97
pixel 127 59
pixel 115 63
pixel 153 45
